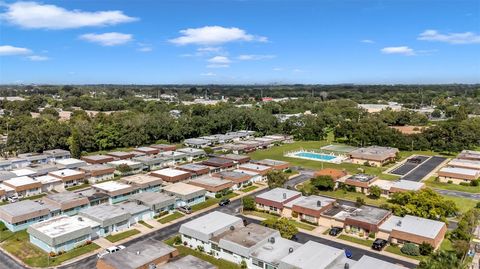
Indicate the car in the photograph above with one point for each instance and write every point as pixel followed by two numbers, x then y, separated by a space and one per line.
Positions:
pixel 335 231
pixel 224 202
pixel 294 238
pixel 110 250
pixel 379 244
pixel 185 209
pixel 348 253
pixel 13 199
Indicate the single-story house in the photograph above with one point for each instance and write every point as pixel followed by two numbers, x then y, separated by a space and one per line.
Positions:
pixel 98 159
pixel 98 173
pixel 373 155
pixel 274 200
pixel 171 174
pixel 213 185
pixel 186 194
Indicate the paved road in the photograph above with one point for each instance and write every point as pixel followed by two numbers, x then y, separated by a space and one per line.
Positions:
pixel 424 169
pixel 473 196
pixel 8 263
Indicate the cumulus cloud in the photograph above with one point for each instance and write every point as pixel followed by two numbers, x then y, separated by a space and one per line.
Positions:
pixel 38 58
pixel 7 50
pixel 219 60
pixel 404 50
pixel 254 57
pixel 451 38
pixel 368 41
pixel 214 35
pixel 108 39
pixel 34 15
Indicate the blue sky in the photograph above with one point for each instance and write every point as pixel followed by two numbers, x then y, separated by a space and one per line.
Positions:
pixel 234 42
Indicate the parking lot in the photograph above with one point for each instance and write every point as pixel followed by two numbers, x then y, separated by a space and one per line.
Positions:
pixel 424 169
pixel 409 165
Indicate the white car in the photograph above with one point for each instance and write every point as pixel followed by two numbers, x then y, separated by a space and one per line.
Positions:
pixel 13 199
pixel 110 250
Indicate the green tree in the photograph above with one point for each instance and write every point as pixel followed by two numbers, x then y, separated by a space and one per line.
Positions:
pixel 375 192
pixel 248 203
pixel 75 144
pixel 323 183
pixel 286 228
pixel 359 202
pixel 425 249
pixel 276 179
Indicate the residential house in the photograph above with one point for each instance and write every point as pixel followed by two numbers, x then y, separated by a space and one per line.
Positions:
pixel 18 216
pixel 69 177
pixel 121 155
pixel 275 164
pixel 274 201
pixel 24 186
pixel 257 168
pixel 121 167
pixel 109 219
pixel 374 155
pixel 171 175
pixel 98 159
pixel 457 175
pixel 193 153
pixel 213 185
pixel 186 194
pixel 164 147
pixel 156 201
pixel 143 183
pixel 65 203
pixel 57 154
pixel 70 163
pixel 116 191
pixel 98 172
pixel 194 169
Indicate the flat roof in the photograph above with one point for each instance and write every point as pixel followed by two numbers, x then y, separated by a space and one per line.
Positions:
pixel 104 212
pixel 119 153
pixel 367 262
pixel 256 167
pixel 152 198
pixel 97 157
pixel 182 188
pixel 273 252
pixel 190 150
pixel 194 166
pixel 408 185
pixel 460 171
pixel 196 141
pixel 374 152
pixel 236 157
pixel 369 214
pixel 59 226
pixel 314 202
pixel 126 162
pixel 361 177
pixel 66 173
pixel 20 181
pixel 133 208
pixel 233 174
pixel 209 225
pixel 111 186
pixel 307 256
pixel 69 161
pixel 95 167
pixel 210 181
pixel 23 172
pixel 141 179
pixel 22 208
pixel 187 262
pixel 138 254
pixel 146 149
pixel 247 237
pixel 245 172
pixel 414 225
pixel 279 195
pixel 169 172
pixel 271 162
pixel 65 197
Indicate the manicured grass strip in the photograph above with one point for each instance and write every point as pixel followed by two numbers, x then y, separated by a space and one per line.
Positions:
pixel 249 188
pixel 120 236
pixel 396 250
pixel 145 224
pixel 34 197
pixel 452 187
pixel 19 245
pixel 219 263
pixel 171 217
pixel 364 242
pixel 303 225
pixel 78 187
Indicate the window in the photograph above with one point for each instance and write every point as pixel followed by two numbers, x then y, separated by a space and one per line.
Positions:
pixel 215 247
pixel 228 251
pixel 257 263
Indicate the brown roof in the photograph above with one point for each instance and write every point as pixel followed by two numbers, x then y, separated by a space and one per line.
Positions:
pixel 334 173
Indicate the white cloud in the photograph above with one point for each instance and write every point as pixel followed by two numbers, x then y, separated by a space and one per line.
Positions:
pixel 368 41
pixel 218 65
pixel 38 58
pixel 34 15
pixel 404 50
pixel 209 49
pixel 211 35
pixel 219 60
pixel 297 70
pixel 451 38
pixel 6 50
pixel 209 74
pixel 108 39
pixel 254 57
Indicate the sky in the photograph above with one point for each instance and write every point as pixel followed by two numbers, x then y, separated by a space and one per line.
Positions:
pixel 239 42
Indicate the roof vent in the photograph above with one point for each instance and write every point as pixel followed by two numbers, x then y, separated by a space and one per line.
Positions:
pixel 319 204
pixel 138 252
pixel 272 240
pixel 232 228
pixel 284 195
pixel 80 219
pixel 399 223
pixel 290 250
pixel 152 266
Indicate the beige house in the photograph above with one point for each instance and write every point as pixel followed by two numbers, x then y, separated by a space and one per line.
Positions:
pixel 373 155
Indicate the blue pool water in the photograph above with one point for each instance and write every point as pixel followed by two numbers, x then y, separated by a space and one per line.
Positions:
pixel 318 156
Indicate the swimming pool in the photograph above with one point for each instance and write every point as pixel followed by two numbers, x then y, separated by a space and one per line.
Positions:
pixel 317 156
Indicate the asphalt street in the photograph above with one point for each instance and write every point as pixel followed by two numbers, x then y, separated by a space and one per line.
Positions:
pixel 474 196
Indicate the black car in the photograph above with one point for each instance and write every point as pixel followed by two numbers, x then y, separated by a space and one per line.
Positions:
pixel 224 202
pixel 379 244
pixel 335 231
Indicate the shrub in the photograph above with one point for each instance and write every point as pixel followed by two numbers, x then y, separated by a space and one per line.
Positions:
pixel 474 183
pixel 375 192
pixel 218 195
pixel 371 235
pixel 177 240
pixel 295 214
pixel 243 264
pixel 359 202
pixel 248 203
pixel 410 249
pixel 425 249
pixel 200 248
pixel 449 182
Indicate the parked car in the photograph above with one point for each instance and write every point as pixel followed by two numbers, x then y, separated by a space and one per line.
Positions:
pixel 224 202
pixel 185 209
pixel 110 250
pixel 379 244
pixel 335 231
pixel 13 199
pixel 348 253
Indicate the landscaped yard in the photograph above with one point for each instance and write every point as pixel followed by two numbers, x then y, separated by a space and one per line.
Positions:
pixel 249 188
pixel 120 236
pixel 453 187
pixel 78 187
pixel 396 250
pixel 34 197
pixel 265 215
pixel 145 224
pixel 175 215
pixel 20 246
pixel 463 204
pixel 365 242
pixel 219 263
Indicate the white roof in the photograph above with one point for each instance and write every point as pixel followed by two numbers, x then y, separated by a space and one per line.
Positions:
pixel 465 163
pixel 408 185
pixel 205 227
pixel 253 166
pixel 191 150
pixel 20 181
pixel 182 188
pixel 23 172
pixel 307 256
pixel 171 153
pixel 367 262
pixel 383 184
pixel 170 172
pixel 460 171
pixel 274 252
pixel 69 161
pixel 126 162
pixel 59 226
pixel 413 225
pixel 250 173
pixel 66 173
pixel 47 179
pixel 6 188
pixel 278 195
pixel 111 186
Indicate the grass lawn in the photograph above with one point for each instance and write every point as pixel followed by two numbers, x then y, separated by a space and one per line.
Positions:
pixel 452 187
pixel 446 245
pixel 5 234
pixel 364 242
pixel 463 204
pixel 34 197
pixel 120 236
pixel 298 224
pixel 396 250
pixel 20 246
pixel 175 215
pixel 278 151
pixel 211 201
pixel 145 224
pixel 78 187
pixel 219 263
pixel 249 188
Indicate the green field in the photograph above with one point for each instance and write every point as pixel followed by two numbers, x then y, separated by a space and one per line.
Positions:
pixel 175 215
pixel 120 236
pixel 463 204
pixel 19 245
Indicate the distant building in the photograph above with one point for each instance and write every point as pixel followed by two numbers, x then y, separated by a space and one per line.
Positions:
pixel 192 153
pixel 98 159
pixel 171 175
pixel 275 164
pixel 134 167
pixel 69 177
pixel 457 175
pixel 361 182
pixel 257 168
pixel 373 155
pixel 70 163
pixel 98 173
pixel 213 185
pixel 143 182
pixel 116 191
pixel 156 201
pixel 274 200
pixel 194 169
pixel 469 155
pixel 24 186
pixel 121 155
pixel 164 147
